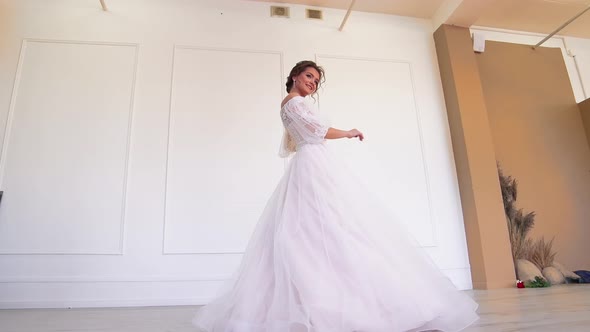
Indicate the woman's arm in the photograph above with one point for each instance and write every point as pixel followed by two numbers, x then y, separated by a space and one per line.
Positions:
pixel 334 133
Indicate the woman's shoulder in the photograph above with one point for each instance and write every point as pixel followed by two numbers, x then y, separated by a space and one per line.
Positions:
pixel 291 99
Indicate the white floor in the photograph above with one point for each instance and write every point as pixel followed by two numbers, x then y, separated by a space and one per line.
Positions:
pixel 563 308
pixel 559 308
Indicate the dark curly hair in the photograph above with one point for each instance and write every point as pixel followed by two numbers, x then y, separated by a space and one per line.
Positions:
pixel 299 68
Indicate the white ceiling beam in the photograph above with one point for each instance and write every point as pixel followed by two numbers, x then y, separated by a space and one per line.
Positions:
pixel 460 12
pixel 347 15
pixel 444 11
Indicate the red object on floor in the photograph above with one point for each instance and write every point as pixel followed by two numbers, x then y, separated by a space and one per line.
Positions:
pixel 519 284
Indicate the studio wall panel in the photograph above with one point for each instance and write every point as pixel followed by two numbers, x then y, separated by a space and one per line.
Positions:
pixel 224 136
pixel 390 161
pixel 203 149
pixel 64 158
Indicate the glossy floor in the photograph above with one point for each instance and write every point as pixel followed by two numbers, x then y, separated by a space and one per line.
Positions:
pixel 559 308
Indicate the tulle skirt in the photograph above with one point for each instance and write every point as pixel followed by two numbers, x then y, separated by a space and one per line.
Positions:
pixel 327 257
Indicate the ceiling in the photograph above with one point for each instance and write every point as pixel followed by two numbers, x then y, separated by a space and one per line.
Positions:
pixel 541 16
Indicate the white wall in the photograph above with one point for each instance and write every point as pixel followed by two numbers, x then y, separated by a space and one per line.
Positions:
pixel 180 132
pixel 579 50
pixel 576 54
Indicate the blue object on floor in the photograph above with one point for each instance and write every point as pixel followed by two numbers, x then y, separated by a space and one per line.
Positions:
pixel 584 275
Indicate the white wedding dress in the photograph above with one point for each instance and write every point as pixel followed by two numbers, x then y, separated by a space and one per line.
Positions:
pixel 327 257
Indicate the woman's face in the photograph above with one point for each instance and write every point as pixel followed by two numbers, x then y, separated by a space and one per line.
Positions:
pixel 307 81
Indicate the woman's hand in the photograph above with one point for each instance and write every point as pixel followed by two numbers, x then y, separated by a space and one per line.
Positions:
pixel 355 133
pixel 334 133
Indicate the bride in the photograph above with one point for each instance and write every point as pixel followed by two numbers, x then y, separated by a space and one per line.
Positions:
pixel 325 255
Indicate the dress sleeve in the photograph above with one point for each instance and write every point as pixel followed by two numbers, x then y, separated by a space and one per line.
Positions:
pixel 300 119
pixel 302 125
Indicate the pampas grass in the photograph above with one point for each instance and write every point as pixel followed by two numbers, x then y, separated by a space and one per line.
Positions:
pixel 541 254
pixel 519 224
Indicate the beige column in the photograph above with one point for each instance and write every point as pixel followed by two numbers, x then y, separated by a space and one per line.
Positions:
pixel 485 224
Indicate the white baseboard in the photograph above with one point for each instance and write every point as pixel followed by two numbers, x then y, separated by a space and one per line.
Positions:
pixel 28 293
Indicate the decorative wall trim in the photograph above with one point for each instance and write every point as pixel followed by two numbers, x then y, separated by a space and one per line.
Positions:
pixel 8 130
pixel 566 50
pixel 164 217
pixel 432 214
pixel 69 304
pixel 459 276
pixel 142 278
pixel 112 279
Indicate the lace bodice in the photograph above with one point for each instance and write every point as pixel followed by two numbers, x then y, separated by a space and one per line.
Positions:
pixel 302 126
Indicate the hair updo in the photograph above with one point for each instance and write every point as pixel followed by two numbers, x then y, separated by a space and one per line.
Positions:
pixel 299 68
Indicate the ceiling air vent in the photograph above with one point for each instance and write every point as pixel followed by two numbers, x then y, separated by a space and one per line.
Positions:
pixel 279 11
pixel 315 14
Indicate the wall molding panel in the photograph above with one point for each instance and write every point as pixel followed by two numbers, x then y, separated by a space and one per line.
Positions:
pixel 180 216
pixel 37 55
pixel 141 144
pixel 425 236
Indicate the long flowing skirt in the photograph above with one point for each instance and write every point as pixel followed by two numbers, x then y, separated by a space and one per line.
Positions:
pixel 327 257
